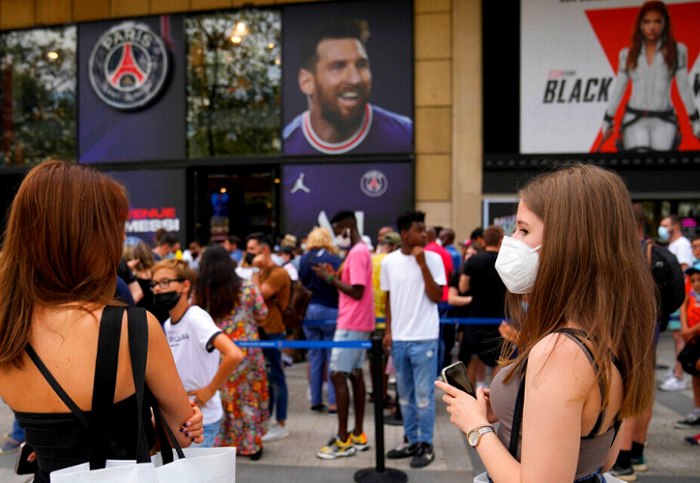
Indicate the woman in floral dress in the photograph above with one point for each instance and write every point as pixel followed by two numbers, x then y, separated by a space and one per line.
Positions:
pixel 236 306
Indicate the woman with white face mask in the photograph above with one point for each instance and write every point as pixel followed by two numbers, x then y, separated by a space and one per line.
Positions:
pixel 577 372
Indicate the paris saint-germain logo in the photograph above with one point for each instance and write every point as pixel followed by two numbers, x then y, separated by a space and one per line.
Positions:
pixel 128 66
pixel 374 183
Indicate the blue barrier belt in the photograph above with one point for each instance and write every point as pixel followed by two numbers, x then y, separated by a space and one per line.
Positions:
pixel 447 321
pixel 304 344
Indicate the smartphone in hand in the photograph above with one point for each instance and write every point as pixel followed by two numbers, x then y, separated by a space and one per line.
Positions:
pixel 22 466
pixel 456 375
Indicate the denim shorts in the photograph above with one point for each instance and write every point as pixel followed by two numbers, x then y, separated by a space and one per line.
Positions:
pixel 344 359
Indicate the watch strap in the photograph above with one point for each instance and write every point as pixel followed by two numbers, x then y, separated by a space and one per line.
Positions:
pixel 482 430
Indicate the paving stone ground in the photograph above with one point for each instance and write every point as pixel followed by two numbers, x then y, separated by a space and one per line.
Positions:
pixel 294 458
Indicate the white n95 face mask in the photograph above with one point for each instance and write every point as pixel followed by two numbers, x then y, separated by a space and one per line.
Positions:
pixel 517 264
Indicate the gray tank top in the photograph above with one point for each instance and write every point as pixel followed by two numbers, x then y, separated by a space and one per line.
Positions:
pixel 594 448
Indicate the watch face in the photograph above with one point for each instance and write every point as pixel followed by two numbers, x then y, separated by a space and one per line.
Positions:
pixel 473 438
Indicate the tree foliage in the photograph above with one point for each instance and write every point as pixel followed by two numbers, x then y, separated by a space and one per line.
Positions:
pixel 234 88
pixel 37 95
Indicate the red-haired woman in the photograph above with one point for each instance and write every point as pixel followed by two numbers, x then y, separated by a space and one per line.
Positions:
pixel 651 62
pixel 58 274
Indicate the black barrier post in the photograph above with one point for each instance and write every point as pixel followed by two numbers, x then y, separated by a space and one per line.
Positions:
pixel 380 474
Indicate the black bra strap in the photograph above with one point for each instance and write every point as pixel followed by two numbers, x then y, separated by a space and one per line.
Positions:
pixel 116 451
pixel 77 412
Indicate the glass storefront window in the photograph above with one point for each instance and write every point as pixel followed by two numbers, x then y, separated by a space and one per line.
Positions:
pixel 234 83
pixel 37 95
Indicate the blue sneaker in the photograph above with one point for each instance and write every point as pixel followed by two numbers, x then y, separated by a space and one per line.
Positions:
pixel 639 464
pixel 10 446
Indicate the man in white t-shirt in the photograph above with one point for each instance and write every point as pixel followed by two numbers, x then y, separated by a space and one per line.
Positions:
pixel 413 281
pixel 195 342
pixel 670 231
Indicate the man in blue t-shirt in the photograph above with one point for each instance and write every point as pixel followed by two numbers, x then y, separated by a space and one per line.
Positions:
pixel 336 78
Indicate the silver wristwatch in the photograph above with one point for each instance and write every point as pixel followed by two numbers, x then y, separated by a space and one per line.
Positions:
pixel 475 434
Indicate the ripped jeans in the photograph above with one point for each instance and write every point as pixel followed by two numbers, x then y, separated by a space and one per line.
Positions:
pixel 416 365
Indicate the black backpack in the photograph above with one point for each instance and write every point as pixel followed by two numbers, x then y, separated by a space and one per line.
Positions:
pixel 669 279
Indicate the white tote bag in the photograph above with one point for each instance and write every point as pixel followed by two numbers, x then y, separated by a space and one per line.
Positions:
pixel 201 465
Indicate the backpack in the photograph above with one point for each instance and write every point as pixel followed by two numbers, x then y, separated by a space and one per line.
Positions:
pixel 299 297
pixel 669 279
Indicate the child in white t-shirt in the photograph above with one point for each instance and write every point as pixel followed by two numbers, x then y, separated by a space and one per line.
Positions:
pixel 195 342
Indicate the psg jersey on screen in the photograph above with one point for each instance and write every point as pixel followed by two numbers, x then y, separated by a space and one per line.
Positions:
pixel 381 131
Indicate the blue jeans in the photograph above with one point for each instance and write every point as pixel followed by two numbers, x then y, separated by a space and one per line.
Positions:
pixel 210 432
pixel 276 379
pixel 320 358
pixel 17 432
pixel 416 365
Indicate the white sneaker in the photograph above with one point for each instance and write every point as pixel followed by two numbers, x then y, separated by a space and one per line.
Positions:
pixel 673 385
pixel 276 432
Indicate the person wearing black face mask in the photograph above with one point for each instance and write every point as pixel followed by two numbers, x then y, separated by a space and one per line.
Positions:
pixel 193 336
pixel 252 248
pixel 191 256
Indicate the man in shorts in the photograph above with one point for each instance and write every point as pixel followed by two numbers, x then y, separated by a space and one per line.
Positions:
pixel 355 323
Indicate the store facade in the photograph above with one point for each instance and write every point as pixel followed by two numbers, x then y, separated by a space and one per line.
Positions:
pixel 572 89
pixel 217 123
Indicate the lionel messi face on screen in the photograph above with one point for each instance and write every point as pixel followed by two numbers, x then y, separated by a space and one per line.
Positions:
pixel 336 77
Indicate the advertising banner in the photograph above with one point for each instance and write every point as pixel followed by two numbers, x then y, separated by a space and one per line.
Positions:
pixel 156 200
pixel 609 76
pixel 347 70
pixel 132 89
pixel 377 192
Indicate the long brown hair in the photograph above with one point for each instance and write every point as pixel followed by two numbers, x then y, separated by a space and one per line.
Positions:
pixel 591 273
pixel 218 286
pixel 668 41
pixel 62 245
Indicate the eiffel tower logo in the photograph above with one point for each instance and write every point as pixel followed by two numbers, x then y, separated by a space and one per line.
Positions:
pixel 128 75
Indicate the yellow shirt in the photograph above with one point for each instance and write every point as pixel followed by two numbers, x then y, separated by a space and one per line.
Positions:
pixel 379 295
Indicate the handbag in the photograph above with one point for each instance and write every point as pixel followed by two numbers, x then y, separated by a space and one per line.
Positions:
pixel 207 465
pixel 689 357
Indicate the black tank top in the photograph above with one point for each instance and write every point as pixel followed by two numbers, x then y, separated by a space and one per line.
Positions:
pixel 61 440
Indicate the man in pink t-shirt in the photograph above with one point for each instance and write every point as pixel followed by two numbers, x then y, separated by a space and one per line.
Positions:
pixel 355 323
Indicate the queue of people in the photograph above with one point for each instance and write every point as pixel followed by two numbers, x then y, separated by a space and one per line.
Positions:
pixel 200 303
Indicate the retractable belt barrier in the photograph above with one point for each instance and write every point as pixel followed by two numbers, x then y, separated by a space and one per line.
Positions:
pixel 304 344
pixel 380 473
pixel 444 321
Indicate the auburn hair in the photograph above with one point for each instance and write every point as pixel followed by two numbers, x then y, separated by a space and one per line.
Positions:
pixel 62 245
pixel 668 41
pixel 591 273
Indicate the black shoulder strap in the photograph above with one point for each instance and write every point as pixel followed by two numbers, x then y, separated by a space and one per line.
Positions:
pixel 518 414
pixel 115 450
pixel 104 384
pixel 138 351
pixel 576 336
